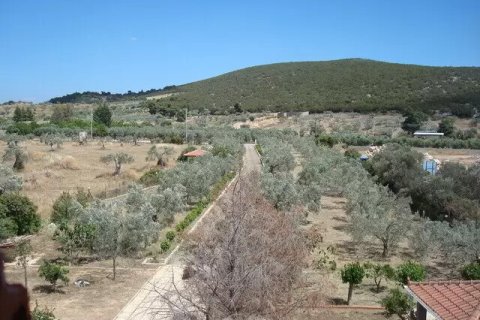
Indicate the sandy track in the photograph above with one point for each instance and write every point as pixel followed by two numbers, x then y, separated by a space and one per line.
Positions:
pixel 147 304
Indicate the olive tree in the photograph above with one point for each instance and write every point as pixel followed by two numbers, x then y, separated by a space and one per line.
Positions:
pixel 16 153
pixel 167 202
pixel 378 214
pixel 8 180
pixel 280 189
pixel 118 230
pixel 118 159
pixel 159 154
pixel 52 140
pixel 457 241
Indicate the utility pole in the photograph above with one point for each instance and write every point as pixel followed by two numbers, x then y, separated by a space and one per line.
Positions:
pixel 91 123
pixel 186 116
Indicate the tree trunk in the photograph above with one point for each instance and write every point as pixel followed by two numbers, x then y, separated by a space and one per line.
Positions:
pixel 114 259
pixel 385 249
pixel 18 164
pixel 350 292
pixel 25 274
pixel 117 169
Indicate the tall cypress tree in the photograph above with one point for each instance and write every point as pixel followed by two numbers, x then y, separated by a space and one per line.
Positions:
pixel 102 114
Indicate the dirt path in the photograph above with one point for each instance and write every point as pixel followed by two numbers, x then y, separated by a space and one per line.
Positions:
pixel 146 304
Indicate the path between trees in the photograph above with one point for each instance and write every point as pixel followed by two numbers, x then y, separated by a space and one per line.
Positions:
pixel 146 304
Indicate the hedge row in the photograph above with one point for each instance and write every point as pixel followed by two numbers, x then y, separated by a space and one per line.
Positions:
pixel 195 212
pixel 441 142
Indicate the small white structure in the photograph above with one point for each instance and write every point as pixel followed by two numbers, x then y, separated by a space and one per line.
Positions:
pixel 428 134
pixel 82 136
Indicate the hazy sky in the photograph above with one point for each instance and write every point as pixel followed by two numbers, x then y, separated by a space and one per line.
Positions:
pixel 51 48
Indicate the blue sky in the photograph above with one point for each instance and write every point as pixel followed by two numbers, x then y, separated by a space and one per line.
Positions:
pixel 50 48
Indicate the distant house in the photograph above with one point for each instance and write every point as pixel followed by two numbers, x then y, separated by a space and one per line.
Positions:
pixel 195 153
pixel 446 300
pixel 428 134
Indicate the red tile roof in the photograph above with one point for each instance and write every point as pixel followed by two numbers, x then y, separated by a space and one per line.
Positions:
pixel 195 153
pixel 448 300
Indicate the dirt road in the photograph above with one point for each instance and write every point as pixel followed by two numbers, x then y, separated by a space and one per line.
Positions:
pixel 146 304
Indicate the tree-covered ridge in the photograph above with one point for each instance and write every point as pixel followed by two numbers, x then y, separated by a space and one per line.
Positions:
pixel 339 85
pixel 95 97
pixel 343 85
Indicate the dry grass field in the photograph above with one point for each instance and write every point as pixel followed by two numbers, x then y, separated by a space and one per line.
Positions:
pixel 46 175
pixel 102 300
pixel 49 173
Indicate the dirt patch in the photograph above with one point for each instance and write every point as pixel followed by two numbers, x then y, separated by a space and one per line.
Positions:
pixel 101 300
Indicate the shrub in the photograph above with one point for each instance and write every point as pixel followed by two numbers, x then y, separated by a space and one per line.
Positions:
pixel 103 115
pixel 352 274
pixel 325 140
pixel 471 271
pixel 410 270
pixel 378 272
pixel 165 246
pixel 21 211
pixel 52 272
pixel 62 208
pixel 352 153
pixel 151 177
pixel 398 303
pixel 170 235
pixel 42 314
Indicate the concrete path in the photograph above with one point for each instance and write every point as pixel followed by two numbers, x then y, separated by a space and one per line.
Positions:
pixel 146 304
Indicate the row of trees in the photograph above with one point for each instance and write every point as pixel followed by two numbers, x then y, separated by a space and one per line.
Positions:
pixel 111 229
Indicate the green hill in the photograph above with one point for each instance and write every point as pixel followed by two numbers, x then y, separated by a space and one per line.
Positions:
pixel 341 85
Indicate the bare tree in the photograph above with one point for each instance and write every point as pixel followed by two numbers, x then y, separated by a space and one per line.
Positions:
pixel 244 262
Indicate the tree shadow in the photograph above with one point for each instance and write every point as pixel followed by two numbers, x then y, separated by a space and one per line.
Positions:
pixel 45 288
pixel 337 301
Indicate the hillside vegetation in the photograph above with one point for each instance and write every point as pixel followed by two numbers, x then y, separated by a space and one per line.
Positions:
pixel 341 85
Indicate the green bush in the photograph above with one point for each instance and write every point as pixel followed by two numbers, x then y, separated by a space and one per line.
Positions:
pixel 20 210
pixel 325 140
pixel 352 153
pixel 471 271
pixel 352 274
pixel 165 246
pixel 151 177
pixel 170 235
pixel 103 115
pixel 410 270
pixel 398 303
pixel 52 272
pixel 62 210
pixel 42 314
pixel 259 149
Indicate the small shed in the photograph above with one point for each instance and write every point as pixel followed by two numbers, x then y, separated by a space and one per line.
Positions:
pixel 195 153
pixel 424 134
pixel 446 300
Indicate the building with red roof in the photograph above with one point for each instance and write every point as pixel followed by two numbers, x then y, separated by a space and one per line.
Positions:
pixel 446 300
pixel 195 153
